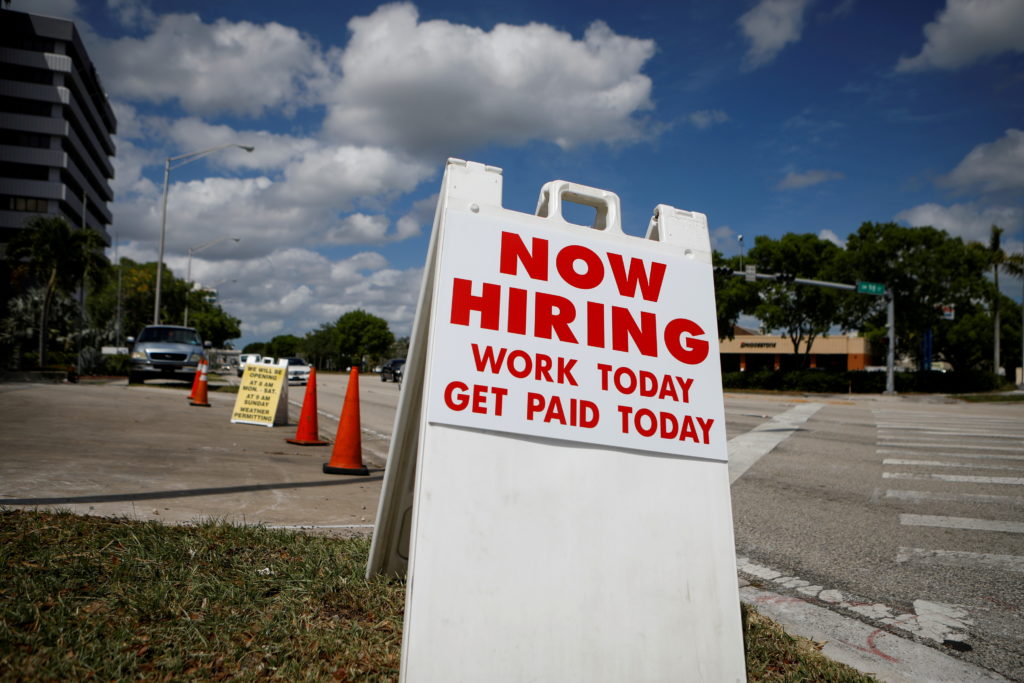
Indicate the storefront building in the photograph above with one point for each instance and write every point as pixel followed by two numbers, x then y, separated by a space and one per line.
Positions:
pixel 749 352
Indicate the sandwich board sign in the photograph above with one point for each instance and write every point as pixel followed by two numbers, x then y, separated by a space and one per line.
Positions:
pixel 263 395
pixel 557 490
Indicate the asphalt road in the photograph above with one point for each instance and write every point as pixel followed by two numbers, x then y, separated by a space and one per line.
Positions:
pixel 901 513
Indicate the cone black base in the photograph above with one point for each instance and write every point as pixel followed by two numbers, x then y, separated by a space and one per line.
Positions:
pixel 201 405
pixel 361 471
pixel 302 442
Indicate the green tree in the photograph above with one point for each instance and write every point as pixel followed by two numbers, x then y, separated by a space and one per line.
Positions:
pixel 924 268
pixel 61 259
pixel 803 312
pixel 362 335
pixel 283 345
pixel 320 347
pixel 734 296
pixel 137 289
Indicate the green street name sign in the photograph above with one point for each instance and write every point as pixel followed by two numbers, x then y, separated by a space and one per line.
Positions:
pixel 870 288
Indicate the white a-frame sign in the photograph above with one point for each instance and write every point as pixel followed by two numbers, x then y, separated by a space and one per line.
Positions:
pixel 557 488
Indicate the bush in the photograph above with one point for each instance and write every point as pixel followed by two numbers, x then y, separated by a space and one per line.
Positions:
pixel 863 382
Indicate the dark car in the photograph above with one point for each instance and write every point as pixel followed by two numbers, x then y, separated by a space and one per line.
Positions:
pixel 392 370
pixel 165 351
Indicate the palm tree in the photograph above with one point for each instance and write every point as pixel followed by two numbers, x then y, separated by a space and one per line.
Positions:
pixel 59 258
pixel 997 258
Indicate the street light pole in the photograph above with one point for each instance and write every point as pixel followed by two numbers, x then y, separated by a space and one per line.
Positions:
pixel 188 271
pixel 185 159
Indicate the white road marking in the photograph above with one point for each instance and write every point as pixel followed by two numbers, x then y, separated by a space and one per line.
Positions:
pixel 987 434
pixel 746 449
pixel 959 558
pixel 919 496
pixel 968 523
pixel 890 443
pixel 936 454
pixel 960 478
pixel 939 463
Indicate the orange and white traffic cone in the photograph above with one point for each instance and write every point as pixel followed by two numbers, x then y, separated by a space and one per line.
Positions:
pixel 347 456
pixel 308 433
pixel 195 380
pixel 201 398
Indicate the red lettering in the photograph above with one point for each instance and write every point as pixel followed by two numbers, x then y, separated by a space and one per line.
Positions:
pixel 644 335
pixel 627 387
pixel 565 371
pixel 604 369
pixel 566 260
pixel 695 350
pixel 705 426
pixel 516 310
pixel 544 365
pixel 527 364
pixel 687 431
pixel 456 401
pixel 628 281
pixel 488 358
pixel 552 317
pixel 625 411
pixel 652 422
pixel 514 252
pixel 479 398
pixel 534 404
pixel 488 304
pixel 595 324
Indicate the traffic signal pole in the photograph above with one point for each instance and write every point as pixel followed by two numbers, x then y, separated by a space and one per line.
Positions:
pixel 873 289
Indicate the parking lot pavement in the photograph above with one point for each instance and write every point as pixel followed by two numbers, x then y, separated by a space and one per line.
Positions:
pixel 143 452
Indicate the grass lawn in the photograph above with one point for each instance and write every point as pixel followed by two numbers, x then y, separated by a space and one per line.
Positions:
pixel 90 598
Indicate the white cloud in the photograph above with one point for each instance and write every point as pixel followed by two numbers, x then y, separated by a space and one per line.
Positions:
pixel 770 26
pixel 705 118
pixel 968 31
pixel 832 237
pixel 132 13
pixel 970 221
pixel 992 166
pixel 234 67
pixel 434 87
pixel 795 180
pixel 725 240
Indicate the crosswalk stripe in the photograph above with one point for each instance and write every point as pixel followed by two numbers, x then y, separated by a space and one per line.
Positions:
pixel 959 558
pixel 939 463
pixel 920 496
pixel 960 478
pixel 895 443
pixel 967 523
pixel 958 454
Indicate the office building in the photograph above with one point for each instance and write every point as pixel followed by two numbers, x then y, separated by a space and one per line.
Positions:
pixel 56 126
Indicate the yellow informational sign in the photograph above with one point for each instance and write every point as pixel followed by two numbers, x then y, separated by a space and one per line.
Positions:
pixel 263 396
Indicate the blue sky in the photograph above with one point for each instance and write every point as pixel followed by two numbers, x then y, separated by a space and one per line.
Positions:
pixel 769 116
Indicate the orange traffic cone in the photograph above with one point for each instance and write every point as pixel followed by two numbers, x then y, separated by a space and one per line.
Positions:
pixel 201 399
pixel 308 433
pixel 347 457
pixel 195 380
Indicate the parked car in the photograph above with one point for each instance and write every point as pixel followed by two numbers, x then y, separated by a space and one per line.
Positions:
pixel 298 370
pixel 165 351
pixel 392 370
pixel 247 358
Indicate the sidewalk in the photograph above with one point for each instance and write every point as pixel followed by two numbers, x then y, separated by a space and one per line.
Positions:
pixel 144 453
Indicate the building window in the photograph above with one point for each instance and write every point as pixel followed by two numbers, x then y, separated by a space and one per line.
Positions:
pixel 18 105
pixel 29 204
pixel 18 138
pixel 28 74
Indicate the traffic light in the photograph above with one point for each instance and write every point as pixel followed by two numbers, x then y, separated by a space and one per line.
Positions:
pixel 785 277
pixel 723 270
